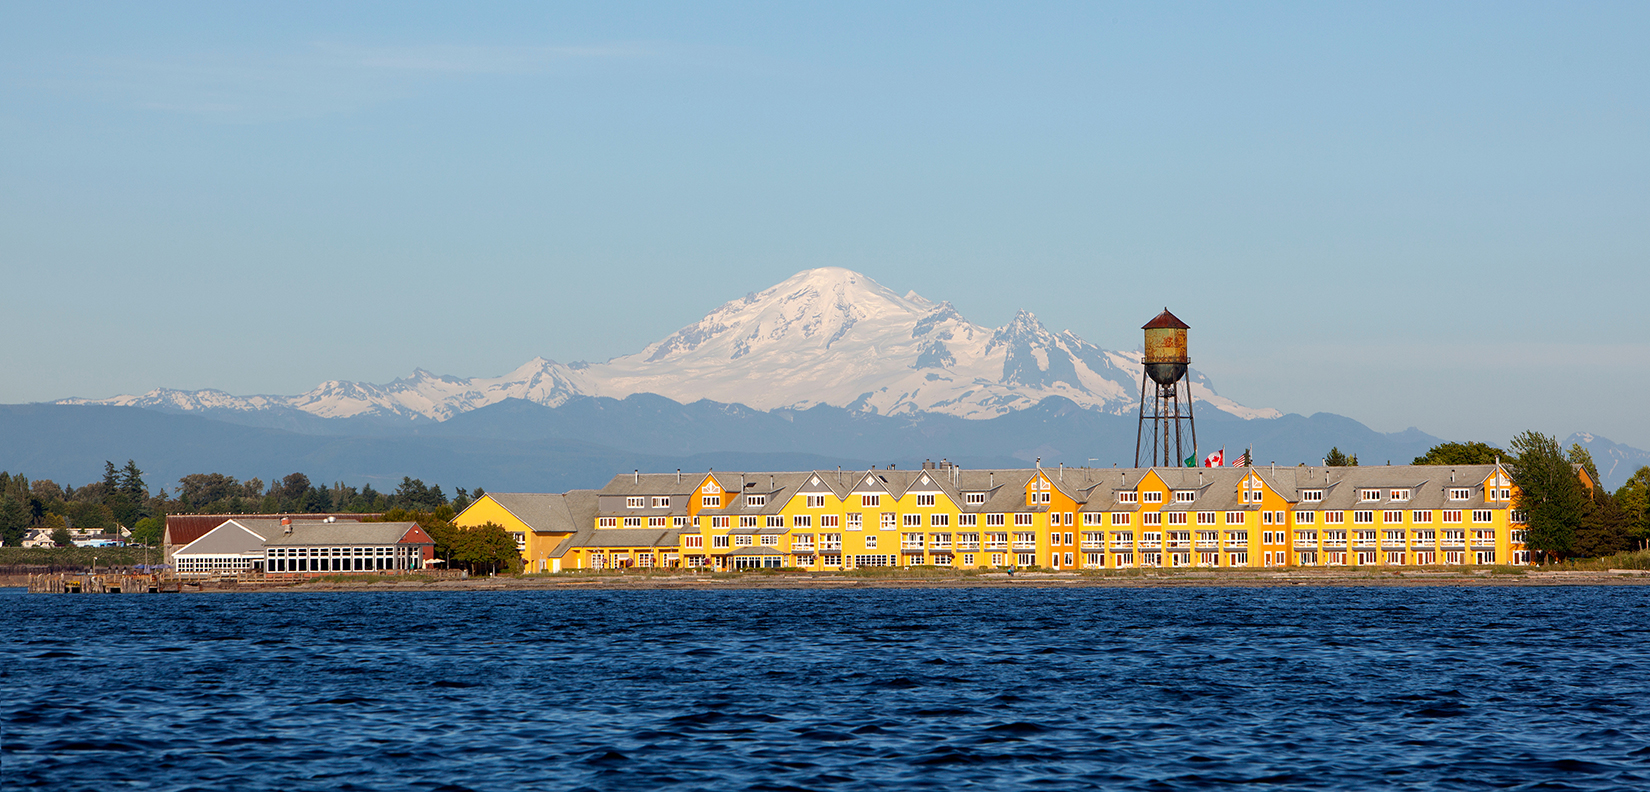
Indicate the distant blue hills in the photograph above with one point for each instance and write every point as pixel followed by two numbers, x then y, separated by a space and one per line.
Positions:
pixel 518 445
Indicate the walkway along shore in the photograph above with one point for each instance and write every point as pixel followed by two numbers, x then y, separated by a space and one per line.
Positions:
pixel 902 579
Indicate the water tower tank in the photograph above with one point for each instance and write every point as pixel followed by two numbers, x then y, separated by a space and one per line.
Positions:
pixel 1165 348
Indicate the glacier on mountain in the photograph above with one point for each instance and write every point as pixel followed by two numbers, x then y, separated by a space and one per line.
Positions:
pixel 823 336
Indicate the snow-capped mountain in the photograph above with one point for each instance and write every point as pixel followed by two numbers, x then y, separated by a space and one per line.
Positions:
pixel 823 336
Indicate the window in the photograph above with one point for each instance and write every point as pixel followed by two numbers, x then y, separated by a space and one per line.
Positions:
pixel 742 540
pixel 815 501
pixel 994 520
pixel 856 521
pixel 910 541
pixel 1205 518
pixel 1025 540
pixel 756 500
pixel 1185 496
pixel 1151 518
pixel 1265 518
pixel 939 520
pixel 1334 517
pixel 719 522
pixel 770 540
pixel 870 501
pixel 871 542
pixel 1122 518
pixel 940 541
pixel 802 521
pixel 1235 518
pixel 638 502
pixel 775 521
pixel 1094 518
pixel 1420 516
pixel 1054 539
pixel 874 560
pixel 1452 516
pixel 607 522
pixel 887 521
pixel 632 522
pixel 1129 496
pixel 830 541
pixel 1518 516
pixel 911 520
pixel 693 541
pixel 968 520
pixel 925 500
pixel 832 559
pixel 1151 539
pixel 974 498
pixel 1399 494
pixel 657 522
pixel 1311 496
pixel 996 541
pixel 1369 495
pixel 1460 494
pixel 720 540
pixel 1482 515
pixel 1177 518
pixel 1392 516
pixel 1151 496
pixel 1022 518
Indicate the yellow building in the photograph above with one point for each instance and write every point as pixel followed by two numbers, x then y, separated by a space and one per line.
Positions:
pixel 543 524
pixel 1053 518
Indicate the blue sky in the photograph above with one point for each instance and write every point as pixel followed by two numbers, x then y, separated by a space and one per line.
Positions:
pixel 1432 215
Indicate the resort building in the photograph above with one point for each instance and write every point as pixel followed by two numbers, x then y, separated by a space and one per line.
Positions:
pixel 182 529
pixel 542 523
pixel 1051 518
pixel 322 548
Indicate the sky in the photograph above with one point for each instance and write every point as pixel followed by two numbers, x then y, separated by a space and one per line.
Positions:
pixel 1430 214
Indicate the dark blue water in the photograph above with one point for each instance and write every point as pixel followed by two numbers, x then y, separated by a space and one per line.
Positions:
pixel 1321 688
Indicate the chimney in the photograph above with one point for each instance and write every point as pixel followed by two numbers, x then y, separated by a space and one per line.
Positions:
pixel 638 474
pixel 286 525
pixel 678 475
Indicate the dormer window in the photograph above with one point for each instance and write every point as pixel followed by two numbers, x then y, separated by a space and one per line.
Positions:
pixel 1185 496
pixel 1399 494
pixel 1151 496
pixel 1369 495
pixel 1128 497
pixel 635 502
pixel 756 500
pixel 1311 496
pixel 661 501
pixel 1460 494
pixel 974 498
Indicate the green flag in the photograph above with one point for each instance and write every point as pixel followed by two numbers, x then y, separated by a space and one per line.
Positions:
pixel 1191 461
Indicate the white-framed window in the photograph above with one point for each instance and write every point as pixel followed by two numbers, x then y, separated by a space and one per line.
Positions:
pixel 756 500
pixel 711 502
pixel 974 498
pixel 749 521
pixel 742 540
pixel 1205 518
pixel 1334 517
pixel 770 540
pixel 910 541
pixel 1460 494
pixel 802 521
pixel 870 501
pixel 1518 516
pixel 1422 516
pixel 830 559
pixel 994 520
pixel 1482 515
pixel 1363 517
pixel 1305 517
pixel 856 521
pixel 1122 518
pixel 607 522
pixel 871 542
pixel 776 521
pixel 1094 518
pixel 939 520
pixel 661 501
pixel 1392 516
pixel 911 520
pixel 719 540
pixel 636 502
pixel 1022 518
pixel 1452 516
pixel 815 501
pixel 719 522
pixel 694 541
pixel 632 522
pixel 968 520
pixel 888 521
pixel 925 500
pixel 1128 496
pixel 830 541
pixel 1185 496
pixel 1151 496
pixel 1177 518
pixel 1151 518
pixel 1311 496
pixel 1236 518
pixel 657 522
pixel 1369 495
pixel 1399 495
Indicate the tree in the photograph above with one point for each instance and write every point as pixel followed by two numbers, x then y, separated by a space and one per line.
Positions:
pixel 1605 527
pixel 196 490
pixel 1634 497
pixel 292 491
pixel 111 478
pixel 1579 455
pixel 486 546
pixel 461 500
pixel 14 520
pixel 1337 459
pixel 131 481
pixel 61 537
pixel 1462 454
pixel 149 531
pixel 1549 493
pixel 412 494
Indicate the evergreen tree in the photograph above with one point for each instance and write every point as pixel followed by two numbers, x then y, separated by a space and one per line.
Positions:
pixel 14 521
pixel 131 481
pixel 1337 459
pixel 1549 493
pixel 1461 454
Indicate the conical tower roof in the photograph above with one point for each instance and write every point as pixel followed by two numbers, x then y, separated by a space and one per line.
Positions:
pixel 1165 320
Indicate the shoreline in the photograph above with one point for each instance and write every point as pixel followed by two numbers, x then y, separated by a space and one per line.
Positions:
pixel 662 582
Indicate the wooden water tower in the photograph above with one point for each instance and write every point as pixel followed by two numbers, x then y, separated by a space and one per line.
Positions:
pixel 1167 435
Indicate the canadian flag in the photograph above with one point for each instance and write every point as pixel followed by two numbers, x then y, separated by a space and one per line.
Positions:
pixel 1216 459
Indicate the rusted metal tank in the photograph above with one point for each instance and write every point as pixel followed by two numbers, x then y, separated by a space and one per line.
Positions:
pixel 1165 348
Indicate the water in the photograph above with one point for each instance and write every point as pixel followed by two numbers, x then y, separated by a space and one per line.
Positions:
pixel 1309 688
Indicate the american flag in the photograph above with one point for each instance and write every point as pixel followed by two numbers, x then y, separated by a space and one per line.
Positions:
pixel 1242 460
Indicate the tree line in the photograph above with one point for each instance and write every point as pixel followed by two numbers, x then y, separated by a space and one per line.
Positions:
pixel 123 500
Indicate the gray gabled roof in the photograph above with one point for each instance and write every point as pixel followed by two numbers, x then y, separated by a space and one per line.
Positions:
pixel 230 538
pixel 545 512
pixel 353 534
